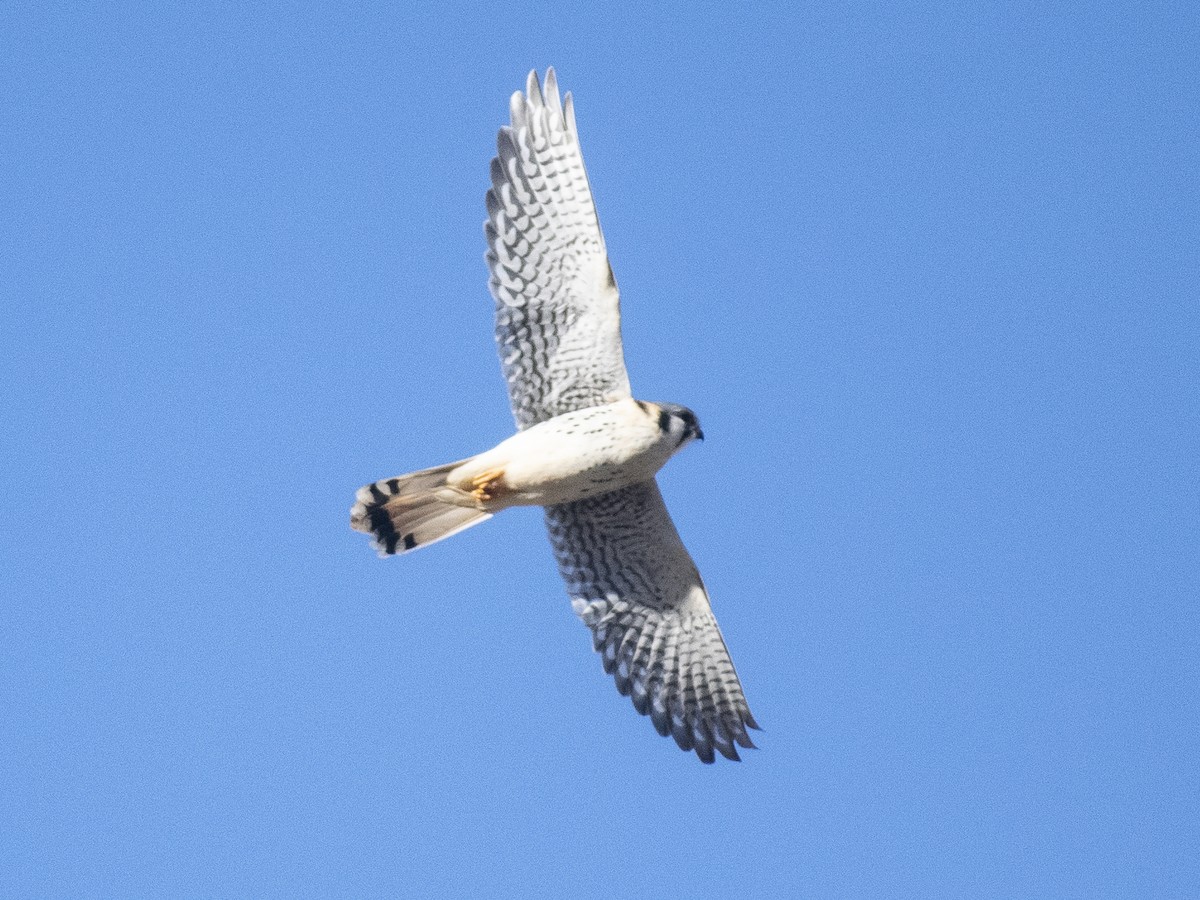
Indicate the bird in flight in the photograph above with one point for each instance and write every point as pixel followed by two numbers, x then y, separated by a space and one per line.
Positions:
pixel 585 449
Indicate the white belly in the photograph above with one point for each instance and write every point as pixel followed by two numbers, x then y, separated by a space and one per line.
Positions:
pixel 572 456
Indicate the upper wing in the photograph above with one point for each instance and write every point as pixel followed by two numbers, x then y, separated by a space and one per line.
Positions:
pixel 633 583
pixel 558 322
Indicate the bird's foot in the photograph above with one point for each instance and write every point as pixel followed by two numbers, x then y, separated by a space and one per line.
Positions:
pixel 488 485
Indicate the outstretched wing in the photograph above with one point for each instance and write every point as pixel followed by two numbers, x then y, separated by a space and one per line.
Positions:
pixel 558 322
pixel 633 583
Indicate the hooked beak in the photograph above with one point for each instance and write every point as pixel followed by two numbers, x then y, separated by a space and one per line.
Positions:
pixel 699 435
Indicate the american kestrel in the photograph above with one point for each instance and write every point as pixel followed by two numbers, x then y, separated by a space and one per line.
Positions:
pixel 585 449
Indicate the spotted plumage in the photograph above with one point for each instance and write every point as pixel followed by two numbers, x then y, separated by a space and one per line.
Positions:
pixel 584 448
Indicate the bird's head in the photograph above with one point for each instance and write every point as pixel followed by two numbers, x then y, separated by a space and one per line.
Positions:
pixel 679 422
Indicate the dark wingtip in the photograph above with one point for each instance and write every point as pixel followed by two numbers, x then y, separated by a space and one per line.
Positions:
pixel 729 751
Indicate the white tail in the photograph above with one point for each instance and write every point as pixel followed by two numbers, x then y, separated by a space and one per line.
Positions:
pixel 408 512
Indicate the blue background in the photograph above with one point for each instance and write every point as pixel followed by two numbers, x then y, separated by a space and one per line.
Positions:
pixel 928 275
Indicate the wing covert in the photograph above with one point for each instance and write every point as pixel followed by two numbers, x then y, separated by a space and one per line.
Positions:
pixel 634 585
pixel 558 322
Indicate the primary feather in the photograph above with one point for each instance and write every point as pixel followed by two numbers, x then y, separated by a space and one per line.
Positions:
pixel 558 320
pixel 633 583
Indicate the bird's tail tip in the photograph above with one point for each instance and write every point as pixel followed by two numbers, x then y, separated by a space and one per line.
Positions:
pixel 411 511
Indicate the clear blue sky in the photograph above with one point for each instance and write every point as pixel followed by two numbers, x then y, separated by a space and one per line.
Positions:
pixel 931 280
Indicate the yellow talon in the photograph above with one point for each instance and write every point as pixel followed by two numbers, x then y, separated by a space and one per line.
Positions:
pixel 486 483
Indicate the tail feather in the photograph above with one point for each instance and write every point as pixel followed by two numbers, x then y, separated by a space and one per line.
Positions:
pixel 408 512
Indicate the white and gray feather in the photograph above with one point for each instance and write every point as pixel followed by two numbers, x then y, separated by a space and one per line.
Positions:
pixel 557 305
pixel 633 583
